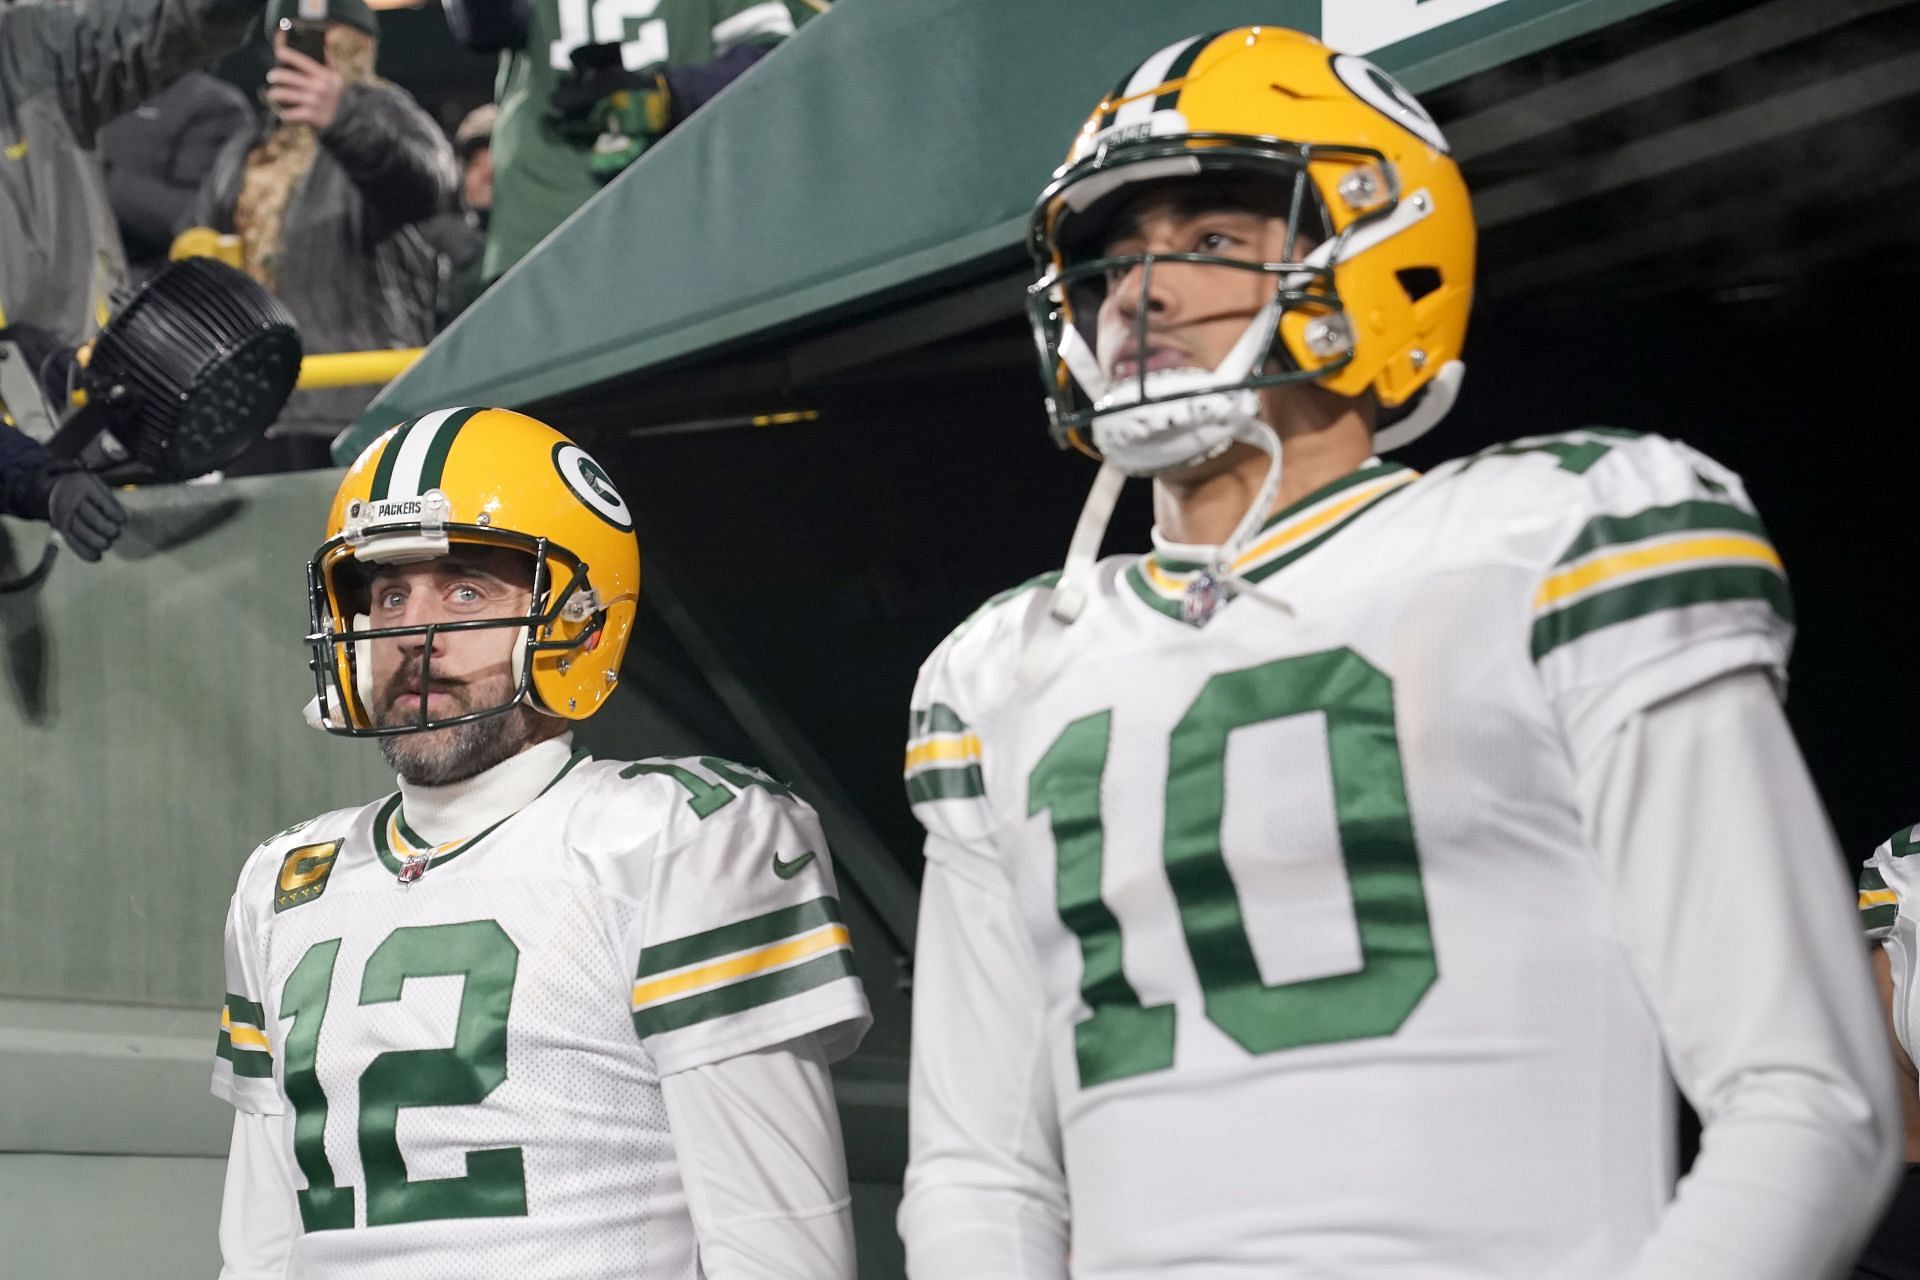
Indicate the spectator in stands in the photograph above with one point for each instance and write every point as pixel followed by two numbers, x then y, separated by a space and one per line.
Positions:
pixel 65 70
pixel 460 236
pixel 347 256
pixel 156 156
pixel 573 112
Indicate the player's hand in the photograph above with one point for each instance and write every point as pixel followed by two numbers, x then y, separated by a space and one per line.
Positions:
pixel 83 510
pixel 303 91
pixel 599 88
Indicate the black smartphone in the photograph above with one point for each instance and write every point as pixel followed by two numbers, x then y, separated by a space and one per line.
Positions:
pixel 309 38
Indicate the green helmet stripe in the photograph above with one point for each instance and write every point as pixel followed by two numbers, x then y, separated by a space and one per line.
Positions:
pixel 383 474
pixel 435 463
pixel 1183 64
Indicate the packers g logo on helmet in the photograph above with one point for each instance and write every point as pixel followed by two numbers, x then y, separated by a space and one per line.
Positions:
pixel 1375 292
pixel 489 478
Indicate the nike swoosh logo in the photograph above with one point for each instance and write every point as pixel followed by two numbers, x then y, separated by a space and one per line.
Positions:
pixel 787 870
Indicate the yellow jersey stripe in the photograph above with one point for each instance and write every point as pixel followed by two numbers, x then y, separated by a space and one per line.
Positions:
pixel 1878 898
pixel 1714 547
pixel 745 965
pixel 944 751
pixel 1297 529
pixel 244 1037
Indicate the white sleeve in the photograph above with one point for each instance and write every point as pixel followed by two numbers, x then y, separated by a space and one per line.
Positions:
pixel 758 1138
pixel 1730 897
pixel 259 1217
pixel 985 1193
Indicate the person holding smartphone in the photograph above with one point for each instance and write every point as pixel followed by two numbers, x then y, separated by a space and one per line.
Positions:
pixel 368 165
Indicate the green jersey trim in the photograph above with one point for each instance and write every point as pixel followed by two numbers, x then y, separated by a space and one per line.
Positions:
pixel 1293 532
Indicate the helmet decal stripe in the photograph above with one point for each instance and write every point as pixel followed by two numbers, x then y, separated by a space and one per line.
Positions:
pixel 435 461
pixel 411 452
pixel 383 474
pixel 1119 91
pixel 1151 74
pixel 1183 64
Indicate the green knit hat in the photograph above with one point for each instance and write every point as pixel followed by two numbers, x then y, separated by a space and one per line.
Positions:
pixel 354 13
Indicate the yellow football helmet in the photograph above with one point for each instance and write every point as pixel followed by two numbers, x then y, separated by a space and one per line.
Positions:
pixel 483 477
pixel 1375 296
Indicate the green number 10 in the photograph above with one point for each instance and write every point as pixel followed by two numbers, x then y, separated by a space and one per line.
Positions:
pixel 1125 1038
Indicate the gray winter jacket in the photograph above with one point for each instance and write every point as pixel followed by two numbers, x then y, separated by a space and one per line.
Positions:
pixel 65 70
pixel 354 268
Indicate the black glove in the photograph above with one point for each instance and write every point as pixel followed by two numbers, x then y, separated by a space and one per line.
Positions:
pixel 83 510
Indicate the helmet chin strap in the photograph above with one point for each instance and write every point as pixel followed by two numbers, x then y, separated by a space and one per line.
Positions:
pixel 1152 438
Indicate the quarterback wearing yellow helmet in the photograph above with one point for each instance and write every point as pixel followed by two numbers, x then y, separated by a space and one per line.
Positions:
pixel 1336 890
pixel 532 1014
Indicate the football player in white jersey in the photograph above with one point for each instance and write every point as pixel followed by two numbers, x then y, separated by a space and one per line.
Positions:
pixel 1889 902
pixel 1336 890
pixel 533 1014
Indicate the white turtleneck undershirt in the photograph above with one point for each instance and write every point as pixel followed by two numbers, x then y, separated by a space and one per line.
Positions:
pixel 757 1136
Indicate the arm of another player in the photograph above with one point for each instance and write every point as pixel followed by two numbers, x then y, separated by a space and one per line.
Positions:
pixel 1902 1063
pixel 985 1192
pixel 1727 895
pixel 758 1137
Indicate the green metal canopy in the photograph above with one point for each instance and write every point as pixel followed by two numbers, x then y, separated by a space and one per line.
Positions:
pixel 881 150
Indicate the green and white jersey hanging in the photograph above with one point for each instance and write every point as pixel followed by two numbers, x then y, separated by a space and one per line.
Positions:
pixel 1313 916
pixel 464 1043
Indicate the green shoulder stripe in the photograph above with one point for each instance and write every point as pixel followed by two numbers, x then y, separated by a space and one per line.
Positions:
pixel 742 996
pixel 938 718
pixel 242 1010
pixel 1681 517
pixel 1906 843
pixel 743 935
pixel 1048 579
pixel 1672 591
pixel 963 783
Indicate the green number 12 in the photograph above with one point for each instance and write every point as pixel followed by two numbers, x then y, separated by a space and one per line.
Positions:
pixel 1126 1038
pixel 494 1185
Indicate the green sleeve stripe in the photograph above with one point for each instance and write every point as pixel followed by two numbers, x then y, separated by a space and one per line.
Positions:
pixel 1880 918
pixel 251 1063
pixel 1671 591
pixel 1606 531
pixel 743 935
pixel 240 1009
pixel 741 996
pixel 1906 843
pixel 1871 879
pixel 938 718
pixel 946 784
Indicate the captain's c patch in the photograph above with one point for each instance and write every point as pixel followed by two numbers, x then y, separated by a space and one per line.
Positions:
pixel 303 875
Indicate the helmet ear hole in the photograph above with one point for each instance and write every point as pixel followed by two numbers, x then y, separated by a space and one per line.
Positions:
pixel 1418 281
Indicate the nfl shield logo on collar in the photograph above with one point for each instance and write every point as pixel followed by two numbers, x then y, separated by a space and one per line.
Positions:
pixel 1202 600
pixel 413 868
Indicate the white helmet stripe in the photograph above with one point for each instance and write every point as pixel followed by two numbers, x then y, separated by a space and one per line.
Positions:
pixel 414 448
pixel 1152 73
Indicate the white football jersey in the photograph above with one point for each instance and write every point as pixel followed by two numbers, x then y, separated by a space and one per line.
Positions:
pixel 467 1059
pixel 1890 914
pixel 1325 971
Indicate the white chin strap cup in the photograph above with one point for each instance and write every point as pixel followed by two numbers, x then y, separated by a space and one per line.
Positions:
pixel 1440 394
